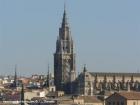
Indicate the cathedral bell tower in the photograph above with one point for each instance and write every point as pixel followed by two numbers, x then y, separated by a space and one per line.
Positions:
pixel 64 57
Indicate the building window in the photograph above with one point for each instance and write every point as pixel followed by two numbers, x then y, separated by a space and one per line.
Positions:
pixel 86 75
pixel 52 90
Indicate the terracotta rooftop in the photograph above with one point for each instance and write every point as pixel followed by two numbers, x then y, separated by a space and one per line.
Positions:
pixel 130 95
pixel 127 95
pixel 66 102
pixel 89 99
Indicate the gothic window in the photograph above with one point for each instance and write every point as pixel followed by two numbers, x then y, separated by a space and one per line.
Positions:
pixel 86 75
pixel 88 83
pixel 66 69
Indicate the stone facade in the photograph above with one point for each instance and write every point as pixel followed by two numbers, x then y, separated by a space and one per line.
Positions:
pixel 87 100
pixel 90 83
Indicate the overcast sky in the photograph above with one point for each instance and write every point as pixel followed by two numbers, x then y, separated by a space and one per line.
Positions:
pixel 106 34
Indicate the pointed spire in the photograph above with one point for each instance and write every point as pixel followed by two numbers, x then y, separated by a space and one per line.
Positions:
pixel 105 78
pixel 15 77
pixel 64 6
pixel 132 78
pixel 85 69
pixel 22 94
pixel 64 31
pixel 123 78
pixel 114 79
pixel 64 22
pixel 96 78
pixel 48 76
pixel 48 70
pixel 16 70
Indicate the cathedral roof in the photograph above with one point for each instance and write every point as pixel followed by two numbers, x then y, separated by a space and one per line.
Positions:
pixel 114 74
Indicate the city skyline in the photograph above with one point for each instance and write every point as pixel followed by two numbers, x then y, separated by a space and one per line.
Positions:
pixel 29 29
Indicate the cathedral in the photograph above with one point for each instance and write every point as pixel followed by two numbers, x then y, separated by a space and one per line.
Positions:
pixel 93 83
pixel 86 83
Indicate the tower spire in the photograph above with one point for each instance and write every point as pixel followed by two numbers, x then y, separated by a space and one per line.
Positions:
pixel 64 57
pixel 48 69
pixel 85 69
pixel 64 5
pixel 64 21
pixel 48 76
pixel 15 77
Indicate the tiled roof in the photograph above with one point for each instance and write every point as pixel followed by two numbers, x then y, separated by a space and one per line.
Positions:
pixel 65 102
pixel 89 99
pixel 51 94
pixel 130 95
